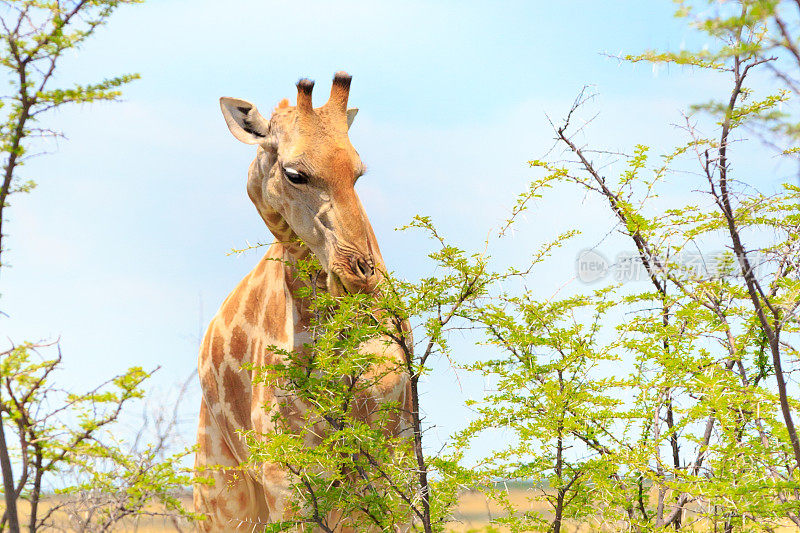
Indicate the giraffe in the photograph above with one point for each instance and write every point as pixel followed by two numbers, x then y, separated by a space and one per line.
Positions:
pixel 302 184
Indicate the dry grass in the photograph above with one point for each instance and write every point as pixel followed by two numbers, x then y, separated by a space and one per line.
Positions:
pixel 472 515
pixel 144 524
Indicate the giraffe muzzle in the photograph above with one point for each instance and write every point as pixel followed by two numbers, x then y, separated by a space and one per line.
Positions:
pixel 357 273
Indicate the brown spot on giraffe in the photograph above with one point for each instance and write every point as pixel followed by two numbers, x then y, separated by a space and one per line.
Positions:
pixel 238 347
pixel 236 400
pixel 252 307
pixel 230 306
pixel 296 146
pixel 217 348
pixel 275 317
pixel 243 500
pixel 210 392
pixel 365 407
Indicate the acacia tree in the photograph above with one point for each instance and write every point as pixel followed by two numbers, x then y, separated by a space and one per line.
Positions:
pixel 709 346
pixel 701 432
pixel 53 432
pixel 65 443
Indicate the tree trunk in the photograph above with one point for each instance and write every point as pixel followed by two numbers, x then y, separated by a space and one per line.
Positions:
pixel 36 492
pixel 8 482
pixel 559 511
pixel 422 471
pixel 560 464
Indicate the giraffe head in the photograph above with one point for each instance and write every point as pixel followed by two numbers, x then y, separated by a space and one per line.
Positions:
pixel 302 180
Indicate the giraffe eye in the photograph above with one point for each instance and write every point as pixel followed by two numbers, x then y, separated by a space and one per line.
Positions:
pixel 294 176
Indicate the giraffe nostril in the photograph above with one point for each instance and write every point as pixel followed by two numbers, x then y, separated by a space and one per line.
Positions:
pixel 362 268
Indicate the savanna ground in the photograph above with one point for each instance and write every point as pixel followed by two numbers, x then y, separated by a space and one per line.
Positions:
pixel 472 515
pixel 473 512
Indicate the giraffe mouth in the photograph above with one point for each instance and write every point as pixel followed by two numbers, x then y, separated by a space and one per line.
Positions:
pixel 341 282
pixel 335 285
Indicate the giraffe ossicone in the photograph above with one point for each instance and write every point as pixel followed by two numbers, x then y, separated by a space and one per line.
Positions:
pixel 302 184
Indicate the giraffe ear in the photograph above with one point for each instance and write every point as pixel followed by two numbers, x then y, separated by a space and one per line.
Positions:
pixel 351 116
pixel 244 120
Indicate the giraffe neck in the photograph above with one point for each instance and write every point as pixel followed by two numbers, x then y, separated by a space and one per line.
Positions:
pixel 294 251
pixel 284 235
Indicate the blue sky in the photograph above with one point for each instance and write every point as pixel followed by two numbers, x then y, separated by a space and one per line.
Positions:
pixel 128 230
